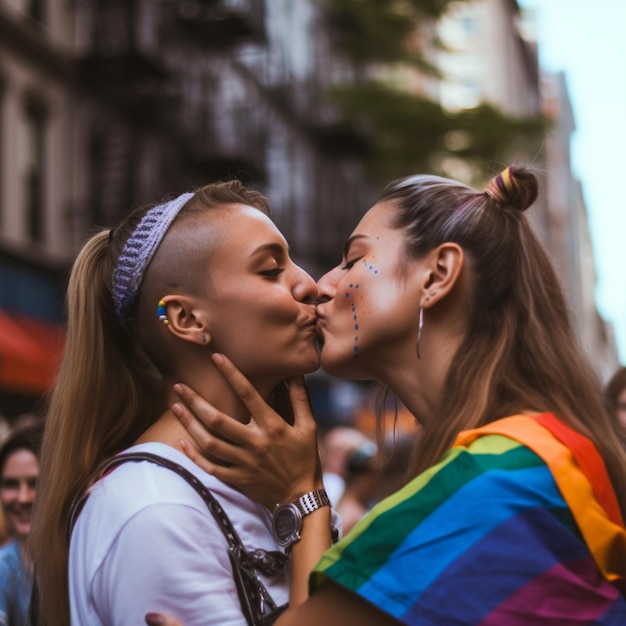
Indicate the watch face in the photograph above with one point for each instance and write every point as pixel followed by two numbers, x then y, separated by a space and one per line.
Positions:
pixel 286 524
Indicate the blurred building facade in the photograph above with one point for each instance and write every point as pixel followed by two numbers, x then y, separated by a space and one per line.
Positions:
pixel 105 104
pixel 35 177
pixel 569 238
pixel 491 55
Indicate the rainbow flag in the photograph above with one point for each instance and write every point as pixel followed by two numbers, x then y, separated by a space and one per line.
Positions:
pixel 517 525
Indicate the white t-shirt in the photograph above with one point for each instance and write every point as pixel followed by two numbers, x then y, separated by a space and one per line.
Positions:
pixel 146 541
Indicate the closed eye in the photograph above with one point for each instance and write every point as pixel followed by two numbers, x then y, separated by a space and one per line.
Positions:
pixel 350 264
pixel 277 271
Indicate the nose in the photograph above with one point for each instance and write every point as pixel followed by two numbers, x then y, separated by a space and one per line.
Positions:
pixel 25 493
pixel 304 289
pixel 327 284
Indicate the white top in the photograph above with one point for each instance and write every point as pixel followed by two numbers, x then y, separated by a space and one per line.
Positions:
pixel 146 541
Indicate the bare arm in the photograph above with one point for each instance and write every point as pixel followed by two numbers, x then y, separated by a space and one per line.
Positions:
pixel 332 605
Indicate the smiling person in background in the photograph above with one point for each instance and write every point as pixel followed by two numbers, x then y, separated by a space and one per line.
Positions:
pixel 514 509
pixel 19 472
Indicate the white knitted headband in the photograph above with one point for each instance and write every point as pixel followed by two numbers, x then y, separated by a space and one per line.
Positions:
pixel 138 252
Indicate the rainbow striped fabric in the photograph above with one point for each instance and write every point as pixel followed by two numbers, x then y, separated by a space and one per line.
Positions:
pixel 517 525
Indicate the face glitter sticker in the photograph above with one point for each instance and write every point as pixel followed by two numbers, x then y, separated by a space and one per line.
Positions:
pixel 369 266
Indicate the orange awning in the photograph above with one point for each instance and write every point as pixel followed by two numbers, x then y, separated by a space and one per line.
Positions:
pixel 30 350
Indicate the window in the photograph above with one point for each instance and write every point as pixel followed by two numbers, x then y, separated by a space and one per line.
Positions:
pixel 96 152
pixel 32 131
pixel 34 9
pixel 2 147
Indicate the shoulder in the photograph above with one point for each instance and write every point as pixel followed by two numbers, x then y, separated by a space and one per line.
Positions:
pixel 138 509
pixel 485 513
pixel 491 479
pixel 145 525
pixel 487 470
pixel 133 485
pixel 10 556
pixel 10 567
pixel 471 492
pixel 141 488
pixel 143 496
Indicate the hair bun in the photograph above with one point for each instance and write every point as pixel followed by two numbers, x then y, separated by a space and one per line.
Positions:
pixel 516 187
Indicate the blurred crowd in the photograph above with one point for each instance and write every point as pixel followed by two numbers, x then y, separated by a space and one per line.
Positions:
pixel 358 473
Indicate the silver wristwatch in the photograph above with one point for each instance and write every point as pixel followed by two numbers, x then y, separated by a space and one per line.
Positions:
pixel 287 518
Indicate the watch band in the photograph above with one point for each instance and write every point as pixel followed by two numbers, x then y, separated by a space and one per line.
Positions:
pixel 312 501
pixel 287 518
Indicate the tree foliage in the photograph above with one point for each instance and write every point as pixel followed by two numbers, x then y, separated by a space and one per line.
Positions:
pixel 384 31
pixel 408 132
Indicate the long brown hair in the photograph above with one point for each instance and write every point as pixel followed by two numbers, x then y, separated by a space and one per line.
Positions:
pixel 520 351
pixel 612 391
pixel 108 391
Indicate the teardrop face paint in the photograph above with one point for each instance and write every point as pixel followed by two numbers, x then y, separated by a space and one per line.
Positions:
pixel 368 313
pixel 352 293
pixel 355 317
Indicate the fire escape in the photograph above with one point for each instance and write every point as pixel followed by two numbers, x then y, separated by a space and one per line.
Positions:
pixel 167 117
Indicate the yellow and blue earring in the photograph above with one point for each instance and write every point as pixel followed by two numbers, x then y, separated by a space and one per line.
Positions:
pixel 162 314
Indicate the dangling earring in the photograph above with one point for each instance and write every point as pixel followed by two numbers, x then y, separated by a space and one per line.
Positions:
pixel 420 325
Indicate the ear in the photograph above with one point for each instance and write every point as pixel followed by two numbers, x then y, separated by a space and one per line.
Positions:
pixel 186 319
pixel 445 264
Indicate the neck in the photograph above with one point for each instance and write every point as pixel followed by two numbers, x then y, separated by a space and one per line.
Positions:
pixel 418 383
pixel 212 387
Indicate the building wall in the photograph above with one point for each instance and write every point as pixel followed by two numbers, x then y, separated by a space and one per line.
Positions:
pixel 486 59
pixel 492 57
pixel 569 236
pixel 35 105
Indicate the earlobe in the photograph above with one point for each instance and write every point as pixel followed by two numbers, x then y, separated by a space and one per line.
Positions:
pixel 447 261
pixel 184 319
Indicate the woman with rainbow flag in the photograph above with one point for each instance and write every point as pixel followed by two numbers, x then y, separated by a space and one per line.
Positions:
pixel 514 512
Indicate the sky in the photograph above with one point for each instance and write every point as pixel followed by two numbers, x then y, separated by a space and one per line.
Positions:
pixel 586 39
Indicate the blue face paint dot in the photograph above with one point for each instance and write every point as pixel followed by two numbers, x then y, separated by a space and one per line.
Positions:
pixel 375 271
pixel 350 285
pixel 356 327
pixel 355 317
pixel 356 349
pixel 357 286
pixel 356 339
pixel 347 295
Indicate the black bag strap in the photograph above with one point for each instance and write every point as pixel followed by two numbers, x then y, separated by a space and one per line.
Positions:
pixel 256 601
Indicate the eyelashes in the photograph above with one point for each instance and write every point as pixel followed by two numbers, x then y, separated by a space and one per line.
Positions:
pixel 277 271
pixel 350 264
